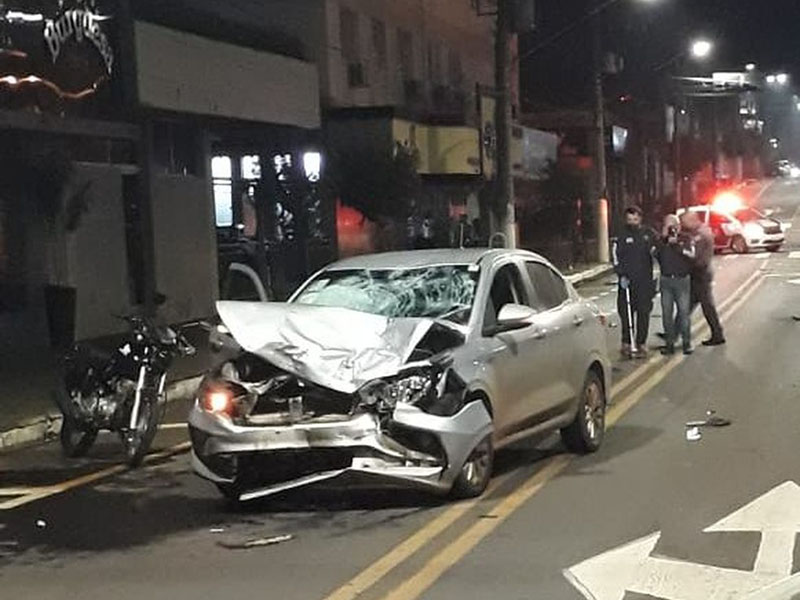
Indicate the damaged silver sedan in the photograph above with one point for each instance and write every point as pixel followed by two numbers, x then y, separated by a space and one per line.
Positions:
pixel 404 368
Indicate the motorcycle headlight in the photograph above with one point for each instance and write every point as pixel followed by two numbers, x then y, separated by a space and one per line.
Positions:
pixel 407 389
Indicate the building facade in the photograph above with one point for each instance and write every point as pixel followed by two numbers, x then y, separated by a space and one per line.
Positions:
pixel 130 130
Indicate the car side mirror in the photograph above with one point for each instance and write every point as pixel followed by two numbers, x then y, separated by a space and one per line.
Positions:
pixel 513 317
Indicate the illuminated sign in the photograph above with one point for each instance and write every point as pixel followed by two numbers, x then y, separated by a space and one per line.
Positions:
pixel 82 23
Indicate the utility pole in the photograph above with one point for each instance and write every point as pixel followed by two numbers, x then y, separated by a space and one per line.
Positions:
pixel 676 143
pixel 504 195
pixel 601 173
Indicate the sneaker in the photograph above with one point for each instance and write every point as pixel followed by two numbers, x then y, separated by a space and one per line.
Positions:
pixel 668 350
pixel 715 342
pixel 640 353
pixel 688 351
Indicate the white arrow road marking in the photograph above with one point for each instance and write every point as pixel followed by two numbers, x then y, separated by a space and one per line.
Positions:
pixel 794 255
pixel 631 568
pixel 776 515
pixel 794 281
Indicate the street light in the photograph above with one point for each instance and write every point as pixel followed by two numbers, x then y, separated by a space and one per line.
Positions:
pixel 782 78
pixel 750 67
pixel 702 49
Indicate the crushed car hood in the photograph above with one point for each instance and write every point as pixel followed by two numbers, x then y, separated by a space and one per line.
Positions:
pixel 337 348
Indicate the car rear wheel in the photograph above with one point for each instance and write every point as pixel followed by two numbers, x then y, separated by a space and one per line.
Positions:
pixel 477 471
pixel 739 245
pixel 585 434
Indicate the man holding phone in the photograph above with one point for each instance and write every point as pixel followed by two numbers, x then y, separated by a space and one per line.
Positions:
pixel 676 251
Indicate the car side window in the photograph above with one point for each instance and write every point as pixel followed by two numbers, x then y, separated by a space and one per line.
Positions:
pixel 549 287
pixel 507 288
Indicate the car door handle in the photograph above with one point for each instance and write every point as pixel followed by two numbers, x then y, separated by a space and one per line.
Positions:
pixel 578 321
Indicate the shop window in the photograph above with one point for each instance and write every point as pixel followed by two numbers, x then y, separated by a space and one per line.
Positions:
pixel 251 167
pixel 222 177
pixel 283 166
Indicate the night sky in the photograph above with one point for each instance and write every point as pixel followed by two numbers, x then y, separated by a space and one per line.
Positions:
pixel 648 33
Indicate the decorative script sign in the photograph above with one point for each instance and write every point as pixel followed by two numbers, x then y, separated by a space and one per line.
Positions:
pixel 82 23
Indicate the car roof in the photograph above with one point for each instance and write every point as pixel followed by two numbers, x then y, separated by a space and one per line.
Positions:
pixel 420 259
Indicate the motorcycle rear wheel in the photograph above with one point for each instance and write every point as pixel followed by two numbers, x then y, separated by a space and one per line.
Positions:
pixel 137 443
pixel 75 441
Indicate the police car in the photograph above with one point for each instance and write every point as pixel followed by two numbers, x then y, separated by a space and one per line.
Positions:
pixel 740 229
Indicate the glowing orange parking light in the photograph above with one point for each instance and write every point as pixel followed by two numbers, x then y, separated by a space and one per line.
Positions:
pixel 728 202
pixel 218 402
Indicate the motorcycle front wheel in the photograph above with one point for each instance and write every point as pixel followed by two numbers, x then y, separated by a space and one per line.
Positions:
pixel 137 442
pixel 75 441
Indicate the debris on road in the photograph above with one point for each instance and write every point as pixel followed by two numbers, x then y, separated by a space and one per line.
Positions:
pixel 712 420
pixel 257 543
pixel 694 434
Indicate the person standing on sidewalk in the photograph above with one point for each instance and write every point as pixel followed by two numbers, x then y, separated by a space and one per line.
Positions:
pixel 632 255
pixel 703 276
pixel 676 251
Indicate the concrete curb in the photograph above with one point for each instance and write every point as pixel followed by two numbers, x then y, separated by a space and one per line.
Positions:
pixel 590 274
pixel 47 427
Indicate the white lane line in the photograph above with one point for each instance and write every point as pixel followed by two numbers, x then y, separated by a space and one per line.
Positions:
pixel 794 254
pixel 172 426
pixel 594 298
pixel 762 255
pixel 729 257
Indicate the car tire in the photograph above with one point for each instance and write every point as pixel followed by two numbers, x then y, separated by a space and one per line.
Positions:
pixel 230 492
pixel 774 248
pixel 739 245
pixel 586 432
pixel 476 472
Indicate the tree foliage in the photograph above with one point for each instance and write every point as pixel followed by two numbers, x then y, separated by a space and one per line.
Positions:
pixel 379 185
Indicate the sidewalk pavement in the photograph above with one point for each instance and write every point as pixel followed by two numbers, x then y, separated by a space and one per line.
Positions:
pixel 28 413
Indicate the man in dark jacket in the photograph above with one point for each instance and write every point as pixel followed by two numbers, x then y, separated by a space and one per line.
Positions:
pixel 703 276
pixel 676 251
pixel 632 254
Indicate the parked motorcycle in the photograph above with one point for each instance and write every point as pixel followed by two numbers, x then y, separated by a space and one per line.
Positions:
pixel 123 392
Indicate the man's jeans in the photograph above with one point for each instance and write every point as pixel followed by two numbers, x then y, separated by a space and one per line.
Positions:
pixel 676 293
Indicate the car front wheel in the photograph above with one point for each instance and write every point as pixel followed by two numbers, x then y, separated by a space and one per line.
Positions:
pixel 474 477
pixel 585 434
pixel 739 245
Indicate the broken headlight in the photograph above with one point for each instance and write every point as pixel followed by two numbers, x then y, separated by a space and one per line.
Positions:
pixel 385 394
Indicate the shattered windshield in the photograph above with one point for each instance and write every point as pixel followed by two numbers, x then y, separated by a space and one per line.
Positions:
pixel 441 292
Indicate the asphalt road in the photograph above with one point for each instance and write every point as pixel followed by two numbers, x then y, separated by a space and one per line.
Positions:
pixel 91 529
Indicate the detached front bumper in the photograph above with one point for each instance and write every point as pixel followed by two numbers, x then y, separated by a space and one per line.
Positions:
pixel 413 448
